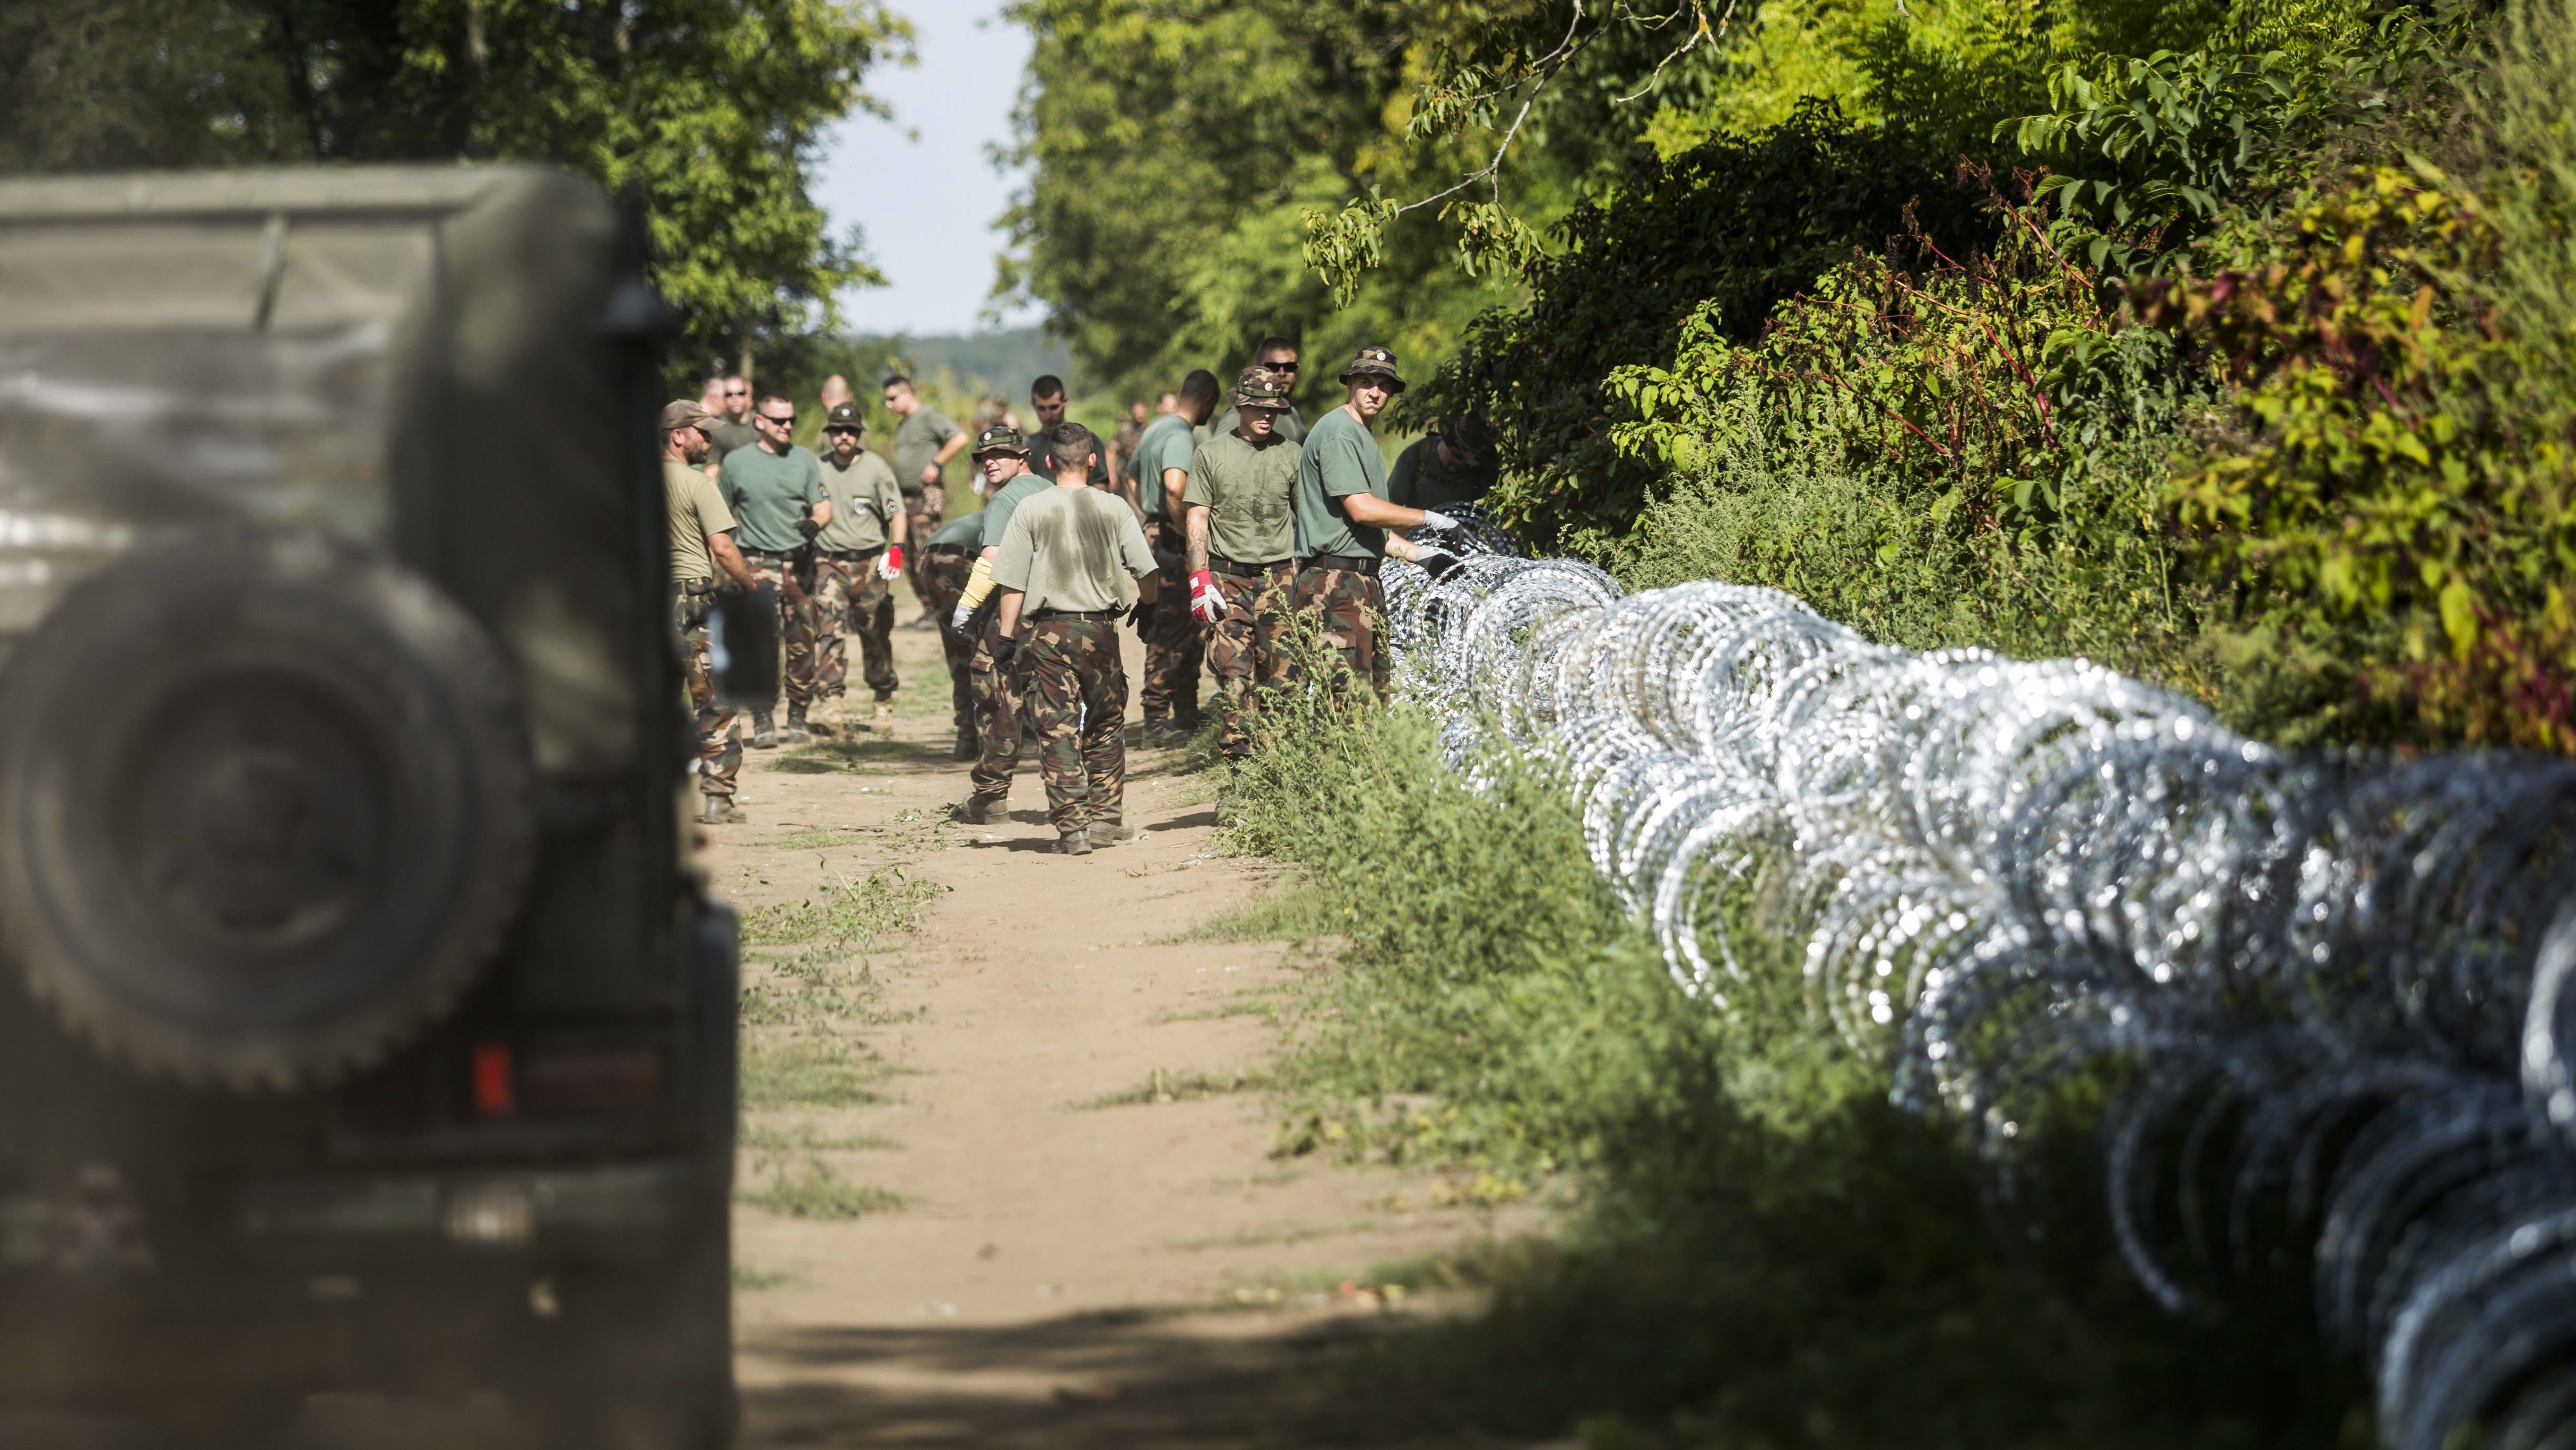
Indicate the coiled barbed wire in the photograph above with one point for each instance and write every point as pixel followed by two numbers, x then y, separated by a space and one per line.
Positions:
pixel 2342 988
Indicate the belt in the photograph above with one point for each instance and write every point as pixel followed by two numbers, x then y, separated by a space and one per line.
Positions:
pixel 1245 571
pixel 1360 564
pixel 951 549
pixel 1103 614
pixel 691 587
pixel 771 553
pixel 852 553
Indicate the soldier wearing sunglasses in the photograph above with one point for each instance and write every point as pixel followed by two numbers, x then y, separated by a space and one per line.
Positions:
pixel 775 489
pixel 1276 356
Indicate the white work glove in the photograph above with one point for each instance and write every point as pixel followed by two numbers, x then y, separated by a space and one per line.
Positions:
pixel 890 563
pixel 958 619
pixel 1434 519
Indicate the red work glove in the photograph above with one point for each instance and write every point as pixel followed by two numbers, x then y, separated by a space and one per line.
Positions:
pixel 1205 602
pixel 890 564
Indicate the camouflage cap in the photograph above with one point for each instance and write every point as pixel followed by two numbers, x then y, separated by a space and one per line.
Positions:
pixel 845 415
pixel 1375 362
pixel 684 413
pixel 1259 387
pixel 1001 439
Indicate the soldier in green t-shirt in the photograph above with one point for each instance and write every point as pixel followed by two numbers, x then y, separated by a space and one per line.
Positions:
pixel 1277 356
pixel 1003 456
pixel 775 488
pixel 924 441
pixel 1343 516
pixel 947 562
pixel 704 563
pixel 857 558
pixel 1243 550
pixel 1453 464
pixel 1174 647
pixel 734 429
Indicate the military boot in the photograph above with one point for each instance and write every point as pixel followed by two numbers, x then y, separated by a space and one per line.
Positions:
pixel 824 719
pixel 977 810
pixel 1073 843
pixel 1109 830
pixel 764 731
pixel 720 811
pixel 795 733
pixel 882 722
pixel 968 746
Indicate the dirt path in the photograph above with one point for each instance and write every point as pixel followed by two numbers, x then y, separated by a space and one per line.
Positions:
pixel 1007 1176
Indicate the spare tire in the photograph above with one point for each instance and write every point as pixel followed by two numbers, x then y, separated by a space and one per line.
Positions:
pixel 264 809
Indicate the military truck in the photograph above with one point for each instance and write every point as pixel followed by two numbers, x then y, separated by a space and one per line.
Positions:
pixel 362 1028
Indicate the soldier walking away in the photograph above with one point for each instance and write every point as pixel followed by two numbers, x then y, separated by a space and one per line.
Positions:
pixel 1243 550
pixel 1047 399
pixel 1278 356
pixel 1342 520
pixel 1173 647
pixel 1008 483
pixel 924 441
pixel 857 558
pixel 1065 576
pixel 735 428
pixel 775 488
pixel 1452 464
pixel 703 562
pixel 948 561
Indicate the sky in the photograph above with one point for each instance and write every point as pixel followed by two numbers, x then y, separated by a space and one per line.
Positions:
pixel 919 186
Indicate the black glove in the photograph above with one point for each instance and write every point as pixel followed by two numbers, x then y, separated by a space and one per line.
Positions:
pixel 1439 563
pixel 1136 616
pixel 808 528
pixel 1005 648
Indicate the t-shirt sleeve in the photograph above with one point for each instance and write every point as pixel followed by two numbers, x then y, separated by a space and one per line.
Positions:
pixel 813 479
pixel 713 516
pixel 1199 490
pixel 1011 571
pixel 1132 549
pixel 1178 445
pixel 889 497
pixel 1338 461
pixel 941 429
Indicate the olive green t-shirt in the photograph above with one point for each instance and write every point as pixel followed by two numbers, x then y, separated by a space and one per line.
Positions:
pixel 917 440
pixel 1167 444
pixel 1420 480
pixel 1340 459
pixel 729 436
pixel 966 531
pixel 999 508
pixel 1250 492
pixel 863 498
pixel 769 492
pixel 697 510
pixel 1073 549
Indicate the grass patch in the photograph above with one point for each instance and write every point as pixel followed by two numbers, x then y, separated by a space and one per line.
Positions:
pixel 1264 1004
pixel 813 1190
pixel 807 1138
pixel 820 838
pixel 1176 1087
pixel 845 754
pixel 849 915
pixel 806 1074
pixel 1297 912
pixel 751 1281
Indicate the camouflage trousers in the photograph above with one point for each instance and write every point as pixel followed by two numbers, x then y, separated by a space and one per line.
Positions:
pixel 849 594
pixel 944 568
pixel 1247 649
pixel 1175 645
pixel 719 739
pixel 925 509
pixel 1350 608
pixel 1000 709
pixel 1075 686
pixel 796 629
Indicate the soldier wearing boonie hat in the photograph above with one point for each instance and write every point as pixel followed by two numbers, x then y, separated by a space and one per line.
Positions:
pixel 1242 527
pixel 703 561
pixel 857 558
pixel 1343 518
pixel 1003 455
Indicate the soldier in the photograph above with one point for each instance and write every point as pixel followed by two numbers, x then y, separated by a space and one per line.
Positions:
pixel 1453 464
pixel 1173 648
pixel 703 561
pixel 1278 356
pixel 857 559
pixel 1122 445
pixel 1047 399
pixel 924 441
pixel 1008 483
pixel 733 430
pixel 775 487
pixel 1065 573
pixel 836 391
pixel 1343 516
pixel 1243 550
pixel 948 561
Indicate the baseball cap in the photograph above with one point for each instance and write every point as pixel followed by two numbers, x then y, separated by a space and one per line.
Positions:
pixel 1378 362
pixel 1000 439
pixel 845 415
pixel 685 413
